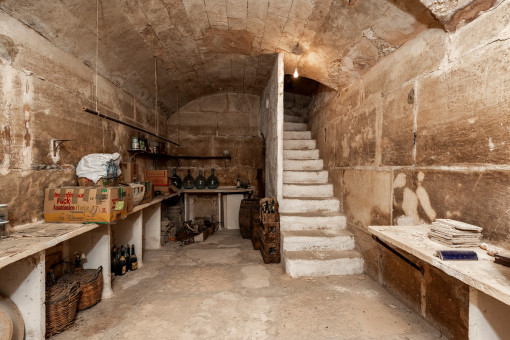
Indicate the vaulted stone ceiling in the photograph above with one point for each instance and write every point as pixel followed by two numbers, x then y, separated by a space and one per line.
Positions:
pixel 208 46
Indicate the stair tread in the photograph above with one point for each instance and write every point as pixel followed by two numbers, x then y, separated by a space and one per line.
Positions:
pixel 320 255
pixel 311 198
pixel 313 214
pixel 307 171
pixel 316 233
pixel 308 184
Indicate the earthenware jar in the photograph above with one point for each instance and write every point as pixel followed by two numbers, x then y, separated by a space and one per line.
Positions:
pixel 200 181
pixel 176 180
pixel 212 181
pixel 188 182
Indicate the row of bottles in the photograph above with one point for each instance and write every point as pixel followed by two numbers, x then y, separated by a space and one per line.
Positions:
pixel 123 259
pixel 199 183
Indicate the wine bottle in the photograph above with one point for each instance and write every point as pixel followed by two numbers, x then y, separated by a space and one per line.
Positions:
pixel 133 259
pixel 122 261
pixel 128 263
pixel 114 260
pixel 238 182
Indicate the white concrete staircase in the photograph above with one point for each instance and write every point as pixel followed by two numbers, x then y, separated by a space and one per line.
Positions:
pixel 313 235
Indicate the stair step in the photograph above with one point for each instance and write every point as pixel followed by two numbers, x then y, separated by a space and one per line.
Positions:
pixel 295 240
pixel 301 154
pixel 288 135
pixel 303 165
pixel 322 263
pixel 294 126
pixel 309 204
pixel 312 221
pixel 299 144
pixel 311 177
pixel 292 119
pixel 308 190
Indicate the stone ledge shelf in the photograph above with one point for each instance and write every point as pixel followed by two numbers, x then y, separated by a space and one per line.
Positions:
pixel 23 255
pixel 489 283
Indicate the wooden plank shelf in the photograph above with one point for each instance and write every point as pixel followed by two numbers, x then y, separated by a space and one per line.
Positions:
pixel 163 155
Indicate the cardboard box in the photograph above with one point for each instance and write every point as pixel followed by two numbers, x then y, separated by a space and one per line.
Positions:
pixel 82 204
pixel 103 182
pixel 164 190
pixel 129 196
pixel 128 171
pixel 157 177
pixel 149 192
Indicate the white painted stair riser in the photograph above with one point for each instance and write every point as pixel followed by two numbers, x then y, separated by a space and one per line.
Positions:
pixel 316 190
pixel 316 222
pixel 299 144
pixel 303 165
pixel 341 266
pixel 290 135
pixel 309 205
pixel 337 242
pixel 312 177
pixel 294 127
pixel 301 154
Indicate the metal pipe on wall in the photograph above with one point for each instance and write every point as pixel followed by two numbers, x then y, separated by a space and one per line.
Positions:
pixel 96 113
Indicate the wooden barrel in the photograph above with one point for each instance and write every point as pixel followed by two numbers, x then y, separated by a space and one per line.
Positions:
pixel 245 216
pixel 255 227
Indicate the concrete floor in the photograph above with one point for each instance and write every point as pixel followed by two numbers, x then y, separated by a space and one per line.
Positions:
pixel 220 289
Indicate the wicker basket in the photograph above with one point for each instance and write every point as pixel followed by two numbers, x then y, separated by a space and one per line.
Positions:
pixel 91 283
pixel 61 306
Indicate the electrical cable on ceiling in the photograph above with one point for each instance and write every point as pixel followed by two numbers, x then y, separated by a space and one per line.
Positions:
pixel 156 88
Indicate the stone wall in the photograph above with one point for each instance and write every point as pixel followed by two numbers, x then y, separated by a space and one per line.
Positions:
pixel 209 125
pixel 271 127
pixel 43 90
pixel 425 134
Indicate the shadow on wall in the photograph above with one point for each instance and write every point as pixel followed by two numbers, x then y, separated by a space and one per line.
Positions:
pixel 411 202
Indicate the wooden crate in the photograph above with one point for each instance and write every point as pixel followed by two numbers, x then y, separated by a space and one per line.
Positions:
pixel 269 210
pixel 245 216
pixel 270 252
pixel 270 232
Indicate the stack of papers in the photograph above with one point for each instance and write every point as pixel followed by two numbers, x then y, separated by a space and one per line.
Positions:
pixel 455 233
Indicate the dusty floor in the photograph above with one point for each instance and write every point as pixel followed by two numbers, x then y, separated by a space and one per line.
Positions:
pixel 220 289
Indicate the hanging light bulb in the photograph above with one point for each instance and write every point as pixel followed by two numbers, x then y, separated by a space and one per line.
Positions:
pixel 296 74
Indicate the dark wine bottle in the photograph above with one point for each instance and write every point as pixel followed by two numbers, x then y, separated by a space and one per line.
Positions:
pixel 114 260
pixel 133 259
pixel 128 263
pixel 122 261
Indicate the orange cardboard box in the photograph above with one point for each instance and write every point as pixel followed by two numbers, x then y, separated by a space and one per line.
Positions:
pixel 84 204
pixel 157 177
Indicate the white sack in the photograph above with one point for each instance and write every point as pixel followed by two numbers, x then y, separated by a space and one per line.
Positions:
pixel 95 166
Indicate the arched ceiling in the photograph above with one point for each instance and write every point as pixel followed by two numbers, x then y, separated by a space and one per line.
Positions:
pixel 209 46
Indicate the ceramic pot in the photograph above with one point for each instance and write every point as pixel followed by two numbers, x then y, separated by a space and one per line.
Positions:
pixel 176 180
pixel 200 181
pixel 188 182
pixel 212 181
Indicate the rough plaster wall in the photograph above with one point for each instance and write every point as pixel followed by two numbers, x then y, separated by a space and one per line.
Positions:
pixel 425 134
pixel 211 124
pixel 42 92
pixel 271 127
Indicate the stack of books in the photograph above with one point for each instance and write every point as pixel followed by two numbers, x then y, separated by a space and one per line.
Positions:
pixel 455 233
